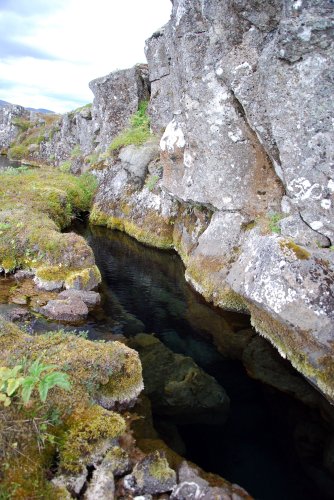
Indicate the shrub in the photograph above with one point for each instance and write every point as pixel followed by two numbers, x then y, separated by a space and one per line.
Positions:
pixel 137 133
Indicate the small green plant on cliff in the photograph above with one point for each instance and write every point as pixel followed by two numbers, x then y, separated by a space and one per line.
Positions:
pixel 274 219
pixel 20 381
pixel 76 151
pixel 137 133
pixel 151 182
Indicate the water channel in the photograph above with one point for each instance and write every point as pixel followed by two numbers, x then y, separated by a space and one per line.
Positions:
pixel 144 290
pixel 270 444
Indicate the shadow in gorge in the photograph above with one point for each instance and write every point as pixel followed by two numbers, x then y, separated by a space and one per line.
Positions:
pixel 271 444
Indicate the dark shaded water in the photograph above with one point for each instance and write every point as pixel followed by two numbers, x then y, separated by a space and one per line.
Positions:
pixel 5 163
pixel 145 291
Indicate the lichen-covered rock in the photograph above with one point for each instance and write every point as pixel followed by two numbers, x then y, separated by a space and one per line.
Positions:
pixel 289 291
pixel 192 486
pixel 152 475
pixel 176 386
pixel 129 198
pixel 101 486
pixel 9 115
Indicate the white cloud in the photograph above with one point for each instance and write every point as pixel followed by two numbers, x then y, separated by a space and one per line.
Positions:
pixel 85 40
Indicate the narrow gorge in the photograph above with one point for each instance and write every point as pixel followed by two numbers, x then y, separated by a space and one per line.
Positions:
pixel 220 150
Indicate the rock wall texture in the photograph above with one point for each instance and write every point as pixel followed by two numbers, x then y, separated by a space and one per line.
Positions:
pixel 242 91
pixel 84 132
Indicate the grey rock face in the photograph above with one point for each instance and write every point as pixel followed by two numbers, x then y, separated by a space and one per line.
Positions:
pixel 244 92
pixel 88 130
pixel 116 98
pixel 8 129
pixel 240 78
pixel 192 486
pixel 136 160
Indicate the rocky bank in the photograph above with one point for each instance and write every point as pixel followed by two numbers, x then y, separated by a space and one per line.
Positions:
pixel 237 174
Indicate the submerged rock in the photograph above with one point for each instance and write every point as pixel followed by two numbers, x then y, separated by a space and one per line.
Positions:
pixel 264 363
pixel 177 387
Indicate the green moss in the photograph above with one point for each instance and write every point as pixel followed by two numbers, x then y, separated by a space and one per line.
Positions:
pixel 51 273
pixel 248 226
pixel 160 469
pixel 299 252
pixel 83 279
pixel 205 274
pixel 86 428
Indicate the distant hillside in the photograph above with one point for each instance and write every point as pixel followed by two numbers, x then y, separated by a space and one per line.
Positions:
pixel 39 110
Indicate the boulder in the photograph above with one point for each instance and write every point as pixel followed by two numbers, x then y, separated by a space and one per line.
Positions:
pixel 71 310
pixel 152 475
pixel 91 299
pixel 177 387
pixel 192 486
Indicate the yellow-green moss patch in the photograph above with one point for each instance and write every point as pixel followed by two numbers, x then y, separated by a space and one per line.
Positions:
pixel 151 229
pixel 86 428
pixel 290 246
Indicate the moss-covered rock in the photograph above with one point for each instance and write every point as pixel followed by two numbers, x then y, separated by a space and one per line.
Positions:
pixel 35 205
pixel 79 424
pixel 86 428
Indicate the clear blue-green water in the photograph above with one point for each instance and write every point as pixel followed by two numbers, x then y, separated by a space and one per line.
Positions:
pixel 144 290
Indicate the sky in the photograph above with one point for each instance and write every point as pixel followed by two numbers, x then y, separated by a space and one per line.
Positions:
pixel 51 49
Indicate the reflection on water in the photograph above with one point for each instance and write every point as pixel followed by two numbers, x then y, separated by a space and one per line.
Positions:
pixel 145 291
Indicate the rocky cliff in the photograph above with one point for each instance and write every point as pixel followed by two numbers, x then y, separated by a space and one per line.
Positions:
pixel 237 175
